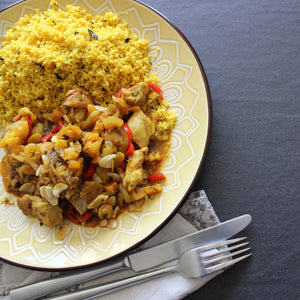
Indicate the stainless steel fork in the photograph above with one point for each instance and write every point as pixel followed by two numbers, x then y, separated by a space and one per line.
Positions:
pixel 194 263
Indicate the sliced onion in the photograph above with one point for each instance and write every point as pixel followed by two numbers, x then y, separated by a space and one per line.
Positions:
pixel 18 157
pixel 37 173
pixel 106 161
pixel 97 179
pixel 114 176
pixel 100 108
pixel 58 188
pixel 125 193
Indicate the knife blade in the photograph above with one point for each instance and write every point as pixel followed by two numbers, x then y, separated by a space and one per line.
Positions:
pixel 172 250
pixel 155 256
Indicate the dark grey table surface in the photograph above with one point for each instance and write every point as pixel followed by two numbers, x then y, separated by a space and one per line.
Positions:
pixel 251 54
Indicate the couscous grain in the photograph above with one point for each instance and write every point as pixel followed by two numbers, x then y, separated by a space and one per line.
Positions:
pixel 50 52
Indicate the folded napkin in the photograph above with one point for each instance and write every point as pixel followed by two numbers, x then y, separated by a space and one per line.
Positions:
pixel 197 213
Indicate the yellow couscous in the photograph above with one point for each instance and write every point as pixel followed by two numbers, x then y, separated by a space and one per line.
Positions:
pixel 48 53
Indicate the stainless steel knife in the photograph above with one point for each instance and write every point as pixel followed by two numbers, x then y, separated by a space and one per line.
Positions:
pixel 155 256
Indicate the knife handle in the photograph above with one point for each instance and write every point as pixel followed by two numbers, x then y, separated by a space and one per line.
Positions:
pixel 60 282
pixel 107 288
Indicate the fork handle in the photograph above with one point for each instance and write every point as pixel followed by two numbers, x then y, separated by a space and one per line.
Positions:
pixel 57 283
pixel 110 287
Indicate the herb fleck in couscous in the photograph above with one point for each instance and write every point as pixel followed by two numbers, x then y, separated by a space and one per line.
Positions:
pixel 48 53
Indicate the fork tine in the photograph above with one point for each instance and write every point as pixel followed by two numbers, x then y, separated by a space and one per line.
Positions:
pixel 224 265
pixel 223 257
pixel 221 244
pixel 208 255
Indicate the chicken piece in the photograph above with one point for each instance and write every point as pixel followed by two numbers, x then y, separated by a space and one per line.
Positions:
pixel 78 98
pixel 136 95
pixel 122 106
pixel 134 169
pixel 76 103
pixel 141 128
pixel 41 209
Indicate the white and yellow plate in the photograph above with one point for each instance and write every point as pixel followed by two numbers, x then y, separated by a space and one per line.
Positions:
pixel 25 242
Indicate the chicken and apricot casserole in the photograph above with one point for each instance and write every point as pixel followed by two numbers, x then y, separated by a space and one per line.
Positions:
pixel 85 162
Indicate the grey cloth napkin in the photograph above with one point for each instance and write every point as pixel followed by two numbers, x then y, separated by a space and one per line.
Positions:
pixel 197 213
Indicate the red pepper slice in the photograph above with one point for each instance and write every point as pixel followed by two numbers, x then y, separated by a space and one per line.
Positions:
pixel 87 216
pixel 119 93
pixel 128 131
pixel 90 172
pixel 156 89
pixel 60 124
pixel 50 134
pixel 123 167
pixel 156 177
pixel 70 214
pixel 29 121
pixel 130 149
